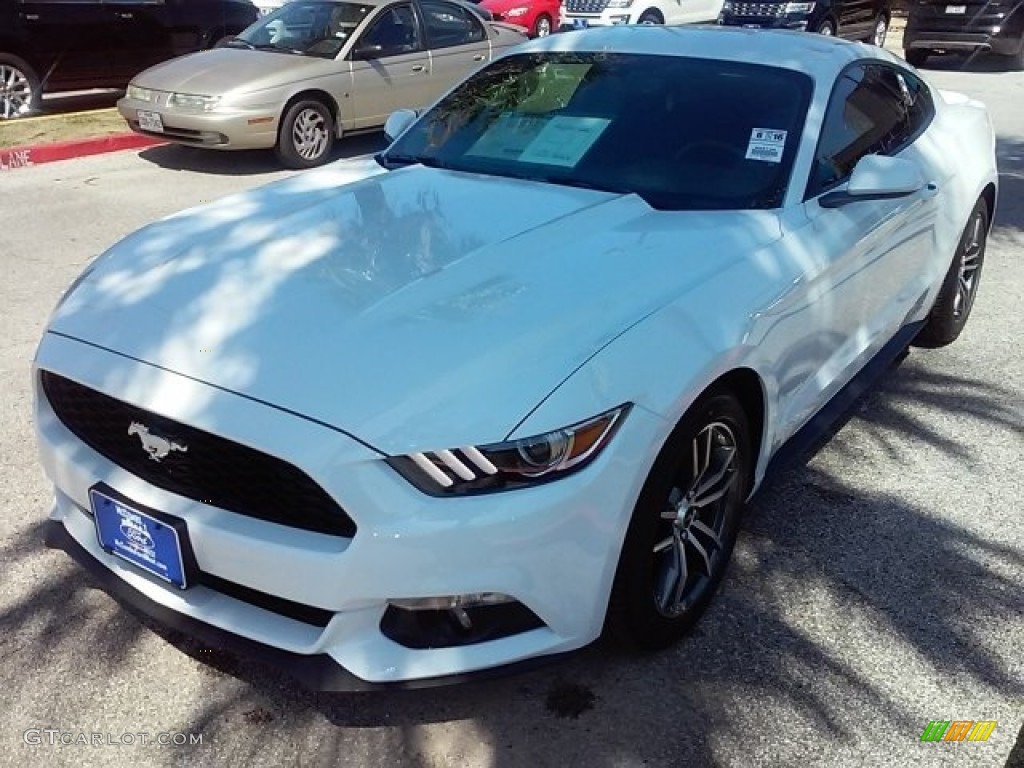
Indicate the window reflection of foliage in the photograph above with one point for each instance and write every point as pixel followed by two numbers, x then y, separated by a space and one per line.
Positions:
pixel 381 248
pixel 500 88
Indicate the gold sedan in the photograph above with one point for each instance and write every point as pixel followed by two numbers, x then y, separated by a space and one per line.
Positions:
pixel 314 69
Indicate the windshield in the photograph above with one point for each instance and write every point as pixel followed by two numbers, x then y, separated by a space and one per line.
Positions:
pixel 311 28
pixel 684 134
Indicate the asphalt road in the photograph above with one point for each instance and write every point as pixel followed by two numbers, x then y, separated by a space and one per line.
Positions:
pixel 875 588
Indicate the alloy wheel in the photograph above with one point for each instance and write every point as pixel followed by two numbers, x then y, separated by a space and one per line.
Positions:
pixel 881 30
pixel 543 27
pixel 310 134
pixel 689 549
pixel 15 92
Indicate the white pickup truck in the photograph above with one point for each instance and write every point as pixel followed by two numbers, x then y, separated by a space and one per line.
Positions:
pixel 578 14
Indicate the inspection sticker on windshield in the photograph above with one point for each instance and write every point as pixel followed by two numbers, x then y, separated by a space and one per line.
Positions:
pixel 766 144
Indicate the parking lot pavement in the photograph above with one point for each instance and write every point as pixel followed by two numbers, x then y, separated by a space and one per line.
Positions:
pixel 874 589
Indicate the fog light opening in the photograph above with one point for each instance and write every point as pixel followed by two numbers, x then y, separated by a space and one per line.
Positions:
pixel 455 620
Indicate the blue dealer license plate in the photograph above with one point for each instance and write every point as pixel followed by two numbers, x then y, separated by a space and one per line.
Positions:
pixel 138 537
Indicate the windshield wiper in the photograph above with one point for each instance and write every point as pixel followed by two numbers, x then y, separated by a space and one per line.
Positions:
pixel 583 184
pixel 246 43
pixel 399 161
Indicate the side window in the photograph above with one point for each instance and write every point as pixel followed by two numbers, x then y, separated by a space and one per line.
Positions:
pixel 920 107
pixel 393 32
pixel 868 113
pixel 449 25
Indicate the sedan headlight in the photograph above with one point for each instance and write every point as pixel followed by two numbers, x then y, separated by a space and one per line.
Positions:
pixel 511 464
pixel 193 103
pixel 619 3
pixel 513 13
pixel 136 93
pixel 798 7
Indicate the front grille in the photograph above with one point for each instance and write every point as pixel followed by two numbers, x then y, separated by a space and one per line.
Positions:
pixel 762 10
pixel 585 6
pixel 212 470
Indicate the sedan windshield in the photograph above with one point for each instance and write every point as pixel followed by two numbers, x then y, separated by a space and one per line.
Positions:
pixel 683 133
pixel 306 27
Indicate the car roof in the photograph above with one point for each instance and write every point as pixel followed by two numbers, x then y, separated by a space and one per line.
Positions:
pixel 820 56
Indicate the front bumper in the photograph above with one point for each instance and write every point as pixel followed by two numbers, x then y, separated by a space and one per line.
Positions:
pixel 553 547
pixel 223 128
pixel 961 41
pixel 794 21
pixel 607 18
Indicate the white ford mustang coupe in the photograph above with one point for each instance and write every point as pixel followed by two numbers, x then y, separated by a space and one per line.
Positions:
pixel 507 385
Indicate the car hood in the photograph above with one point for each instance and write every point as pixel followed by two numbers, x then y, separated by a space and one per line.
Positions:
pixel 414 309
pixel 226 70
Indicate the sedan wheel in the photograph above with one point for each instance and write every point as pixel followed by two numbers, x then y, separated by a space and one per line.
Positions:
pixel 650 18
pixel 306 135
pixel 881 30
pixel 542 27
pixel 827 28
pixel 683 529
pixel 956 297
pixel 19 88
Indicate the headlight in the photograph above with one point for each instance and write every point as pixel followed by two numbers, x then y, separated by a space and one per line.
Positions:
pixel 798 8
pixel 726 7
pixel 193 103
pixel 512 13
pixel 619 3
pixel 512 464
pixel 139 94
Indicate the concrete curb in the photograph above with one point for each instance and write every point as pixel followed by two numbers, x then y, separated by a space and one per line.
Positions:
pixel 37 154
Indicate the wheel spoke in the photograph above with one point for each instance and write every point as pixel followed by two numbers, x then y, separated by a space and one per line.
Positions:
pixel 695 543
pixel 718 484
pixel 706 530
pixel 672 582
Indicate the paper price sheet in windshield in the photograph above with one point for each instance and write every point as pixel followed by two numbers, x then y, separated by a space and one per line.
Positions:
pixel 560 140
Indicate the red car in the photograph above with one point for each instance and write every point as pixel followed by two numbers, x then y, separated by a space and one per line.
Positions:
pixel 539 17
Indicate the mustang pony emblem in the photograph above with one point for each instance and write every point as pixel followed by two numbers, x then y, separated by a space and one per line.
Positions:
pixel 157 447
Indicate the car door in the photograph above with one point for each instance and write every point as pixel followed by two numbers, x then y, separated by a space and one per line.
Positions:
pixel 142 28
pixel 865 259
pixel 72 42
pixel 688 11
pixel 856 17
pixel 390 66
pixel 458 44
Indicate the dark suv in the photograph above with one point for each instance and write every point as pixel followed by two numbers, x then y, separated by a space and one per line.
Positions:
pixel 935 26
pixel 852 19
pixel 65 45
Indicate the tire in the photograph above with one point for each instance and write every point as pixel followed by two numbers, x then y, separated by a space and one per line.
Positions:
pixel 1015 61
pixel 879 31
pixel 306 135
pixel 916 57
pixel 960 286
pixel 643 610
pixel 827 28
pixel 650 17
pixel 20 89
pixel 542 26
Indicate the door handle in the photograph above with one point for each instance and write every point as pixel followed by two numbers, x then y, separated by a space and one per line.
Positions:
pixel 125 15
pixel 30 16
pixel 419 68
pixel 930 190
